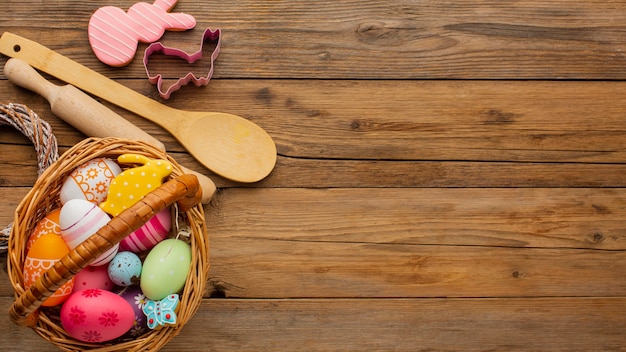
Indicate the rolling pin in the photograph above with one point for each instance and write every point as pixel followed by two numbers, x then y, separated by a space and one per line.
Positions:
pixel 87 114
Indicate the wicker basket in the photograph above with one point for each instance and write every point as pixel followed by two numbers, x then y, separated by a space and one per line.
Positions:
pixel 43 198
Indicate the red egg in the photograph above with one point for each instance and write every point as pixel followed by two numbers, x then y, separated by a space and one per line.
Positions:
pixel 44 253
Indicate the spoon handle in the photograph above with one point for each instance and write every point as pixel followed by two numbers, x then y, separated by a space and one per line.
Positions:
pixel 72 72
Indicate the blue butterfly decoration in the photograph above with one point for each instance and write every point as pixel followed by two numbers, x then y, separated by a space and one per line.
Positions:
pixel 160 313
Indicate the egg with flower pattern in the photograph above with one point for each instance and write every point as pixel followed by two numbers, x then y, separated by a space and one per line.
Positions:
pixel 137 300
pixel 43 254
pixel 49 224
pixel 90 181
pixel 95 315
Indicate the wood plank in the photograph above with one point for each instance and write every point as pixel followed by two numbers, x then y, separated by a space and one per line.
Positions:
pixel 20 170
pixel 279 268
pixel 407 325
pixel 443 120
pixel 368 39
pixel 535 217
pixel 581 122
pixel 544 324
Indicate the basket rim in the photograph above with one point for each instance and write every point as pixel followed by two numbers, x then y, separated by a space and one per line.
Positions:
pixel 43 198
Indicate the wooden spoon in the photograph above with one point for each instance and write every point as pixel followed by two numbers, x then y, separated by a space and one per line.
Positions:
pixel 227 144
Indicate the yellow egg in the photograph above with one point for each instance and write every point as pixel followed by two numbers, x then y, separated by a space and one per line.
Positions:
pixel 43 254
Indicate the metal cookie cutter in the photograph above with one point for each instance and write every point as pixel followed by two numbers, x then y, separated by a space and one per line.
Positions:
pixel 209 36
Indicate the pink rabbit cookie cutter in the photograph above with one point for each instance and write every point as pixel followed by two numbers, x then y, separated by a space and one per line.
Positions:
pixel 208 37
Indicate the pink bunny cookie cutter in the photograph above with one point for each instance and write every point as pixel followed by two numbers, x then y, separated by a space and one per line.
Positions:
pixel 115 34
pixel 208 37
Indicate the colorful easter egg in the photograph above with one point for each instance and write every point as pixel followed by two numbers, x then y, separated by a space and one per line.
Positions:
pixel 148 235
pixel 125 269
pixel 90 181
pixel 134 183
pixel 79 219
pixel 136 299
pixel 49 224
pixel 44 253
pixel 165 269
pixel 93 277
pixel 95 315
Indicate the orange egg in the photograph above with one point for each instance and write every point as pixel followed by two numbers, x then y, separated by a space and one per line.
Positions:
pixel 50 223
pixel 45 251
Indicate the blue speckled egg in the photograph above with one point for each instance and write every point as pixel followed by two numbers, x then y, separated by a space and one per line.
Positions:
pixel 125 269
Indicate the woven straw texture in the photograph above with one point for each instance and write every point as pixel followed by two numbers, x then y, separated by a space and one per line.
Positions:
pixel 43 198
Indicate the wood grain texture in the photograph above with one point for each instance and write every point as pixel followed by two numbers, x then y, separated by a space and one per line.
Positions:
pixel 415 120
pixel 313 39
pixel 450 174
pixel 543 324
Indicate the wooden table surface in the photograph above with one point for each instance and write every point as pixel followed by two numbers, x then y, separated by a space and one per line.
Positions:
pixel 450 174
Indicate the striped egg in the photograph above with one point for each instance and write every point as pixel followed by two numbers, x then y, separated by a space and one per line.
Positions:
pixel 148 235
pixel 79 219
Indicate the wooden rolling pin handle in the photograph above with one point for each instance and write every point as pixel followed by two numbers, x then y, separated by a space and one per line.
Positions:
pixel 87 114
pixel 76 107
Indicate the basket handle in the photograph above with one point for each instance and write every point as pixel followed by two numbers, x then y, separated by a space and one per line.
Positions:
pixel 183 189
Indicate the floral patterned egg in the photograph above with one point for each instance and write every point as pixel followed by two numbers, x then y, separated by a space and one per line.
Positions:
pixel 43 254
pixel 49 224
pixel 90 181
pixel 95 315
pixel 136 299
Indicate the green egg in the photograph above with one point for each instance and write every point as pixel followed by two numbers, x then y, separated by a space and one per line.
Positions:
pixel 165 269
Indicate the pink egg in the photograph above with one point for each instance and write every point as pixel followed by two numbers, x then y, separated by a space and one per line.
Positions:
pixel 95 315
pixel 93 277
pixel 90 181
pixel 79 219
pixel 136 299
pixel 148 235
